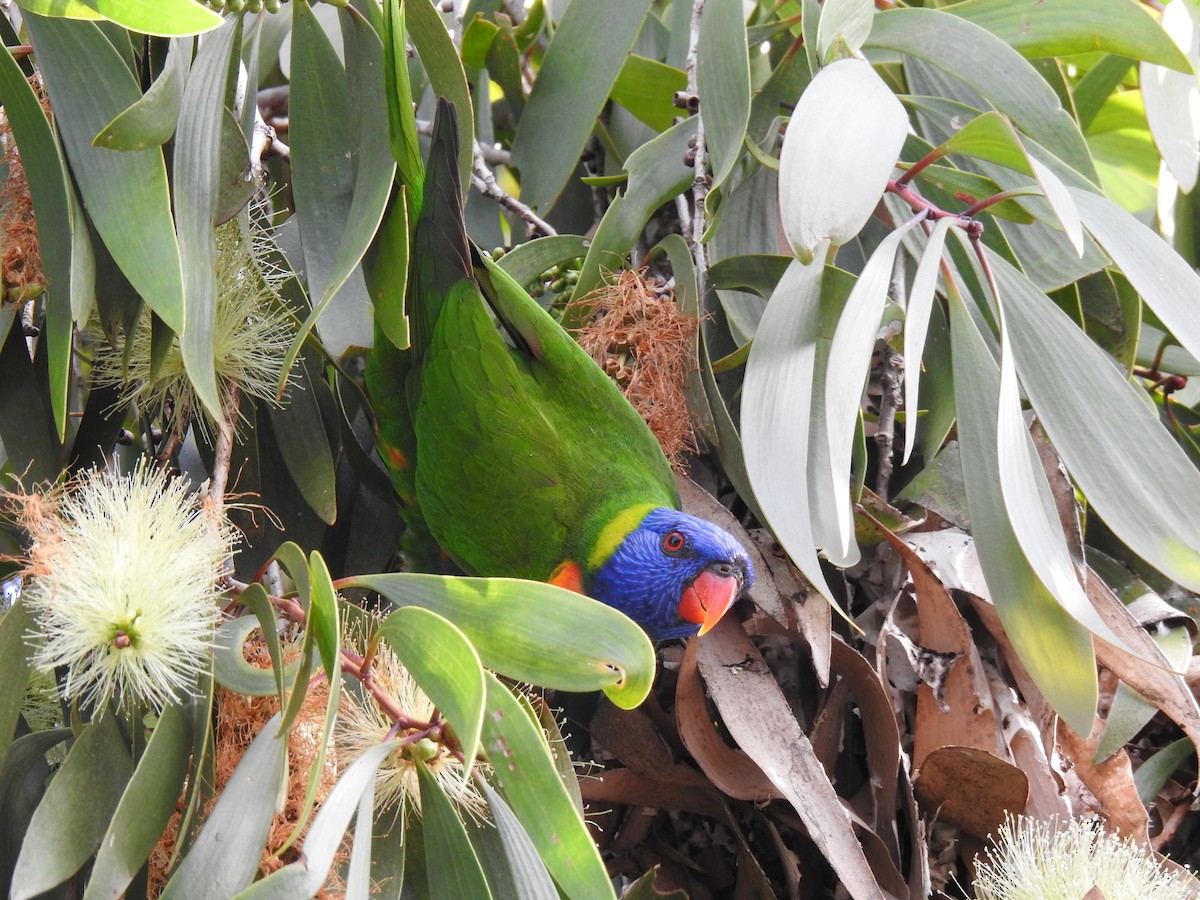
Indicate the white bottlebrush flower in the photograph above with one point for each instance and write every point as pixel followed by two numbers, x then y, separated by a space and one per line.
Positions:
pixel 362 725
pixel 253 331
pixel 1035 860
pixel 123 581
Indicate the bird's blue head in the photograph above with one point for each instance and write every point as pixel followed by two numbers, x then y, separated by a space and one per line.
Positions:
pixel 674 574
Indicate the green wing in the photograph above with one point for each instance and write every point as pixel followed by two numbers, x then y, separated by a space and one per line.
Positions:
pixel 525 449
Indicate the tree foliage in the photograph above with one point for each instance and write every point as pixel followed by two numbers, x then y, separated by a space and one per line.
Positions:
pixel 940 261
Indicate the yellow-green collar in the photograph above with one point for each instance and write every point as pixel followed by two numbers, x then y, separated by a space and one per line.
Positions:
pixel 617 529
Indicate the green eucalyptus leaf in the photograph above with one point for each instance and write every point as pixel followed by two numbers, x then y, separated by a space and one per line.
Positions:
pixel 304 445
pixel 230 667
pixel 162 18
pixel 228 850
pixel 74 814
pixel 23 781
pixel 49 190
pixel 840 148
pixel 16 622
pixel 524 769
pixel 843 27
pixel 518 857
pixel 402 123
pixel 647 89
pixel 916 321
pixel 151 121
pixel 197 190
pixel 1172 97
pixel 993 69
pixel 337 159
pixel 528 261
pixel 577 75
pixel 146 805
pixel 1156 771
pixel 657 173
pixel 1147 507
pixel 323 616
pixel 445 665
pixel 723 83
pixel 126 194
pixel 847 370
pixel 451 865
pixel 534 632
pixel 776 414
pixel 1065 27
pixel 444 67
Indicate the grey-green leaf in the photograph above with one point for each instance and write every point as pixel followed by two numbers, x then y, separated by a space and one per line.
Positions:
pixel 69 823
pixel 125 194
pixel 577 74
pixel 226 854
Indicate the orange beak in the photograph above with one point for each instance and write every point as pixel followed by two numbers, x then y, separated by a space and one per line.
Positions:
pixel 708 598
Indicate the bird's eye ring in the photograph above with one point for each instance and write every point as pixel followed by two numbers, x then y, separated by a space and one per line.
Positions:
pixel 673 542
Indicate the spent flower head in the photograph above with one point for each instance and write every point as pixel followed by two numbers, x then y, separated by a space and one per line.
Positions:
pixel 1035 860
pixel 123 582
pixel 252 333
pixel 362 725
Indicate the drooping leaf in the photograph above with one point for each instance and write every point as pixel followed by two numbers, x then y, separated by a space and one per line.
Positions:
pixel 445 665
pixel 14 668
pixel 1054 648
pixel 151 121
pixel 534 632
pixel 1172 97
pixel 304 877
pixel 71 819
pixel 524 770
pixel 1063 372
pixel 577 75
pixel 723 84
pixel 197 191
pixel 146 805
pixel 1065 27
pixel 163 18
pixel 841 145
pixel 226 854
pixel 451 865
pixel 994 70
pixel 126 194
pixel 776 403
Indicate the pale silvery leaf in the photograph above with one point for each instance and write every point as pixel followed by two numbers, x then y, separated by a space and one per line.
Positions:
pixel 840 147
pixel 1172 98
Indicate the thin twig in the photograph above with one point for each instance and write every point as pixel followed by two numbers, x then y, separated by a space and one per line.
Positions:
pixel 700 184
pixel 485 182
pixel 891 380
pixel 223 450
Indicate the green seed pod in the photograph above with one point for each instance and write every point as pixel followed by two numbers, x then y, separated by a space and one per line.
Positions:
pixel 558 285
pixel 271 6
pixel 235 6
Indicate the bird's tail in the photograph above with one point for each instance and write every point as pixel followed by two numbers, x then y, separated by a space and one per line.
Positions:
pixel 440 252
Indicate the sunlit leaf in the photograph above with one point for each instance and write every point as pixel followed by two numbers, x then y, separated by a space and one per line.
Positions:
pixel 445 665
pixel 165 18
pixel 534 632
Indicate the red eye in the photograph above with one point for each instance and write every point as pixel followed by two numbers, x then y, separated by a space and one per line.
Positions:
pixel 674 542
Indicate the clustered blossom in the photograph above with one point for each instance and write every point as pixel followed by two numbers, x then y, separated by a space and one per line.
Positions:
pixel 1035 860
pixel 123 582
pixel 251 336
pixel 363 725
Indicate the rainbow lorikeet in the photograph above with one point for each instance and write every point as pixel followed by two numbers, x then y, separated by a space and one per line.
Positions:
pixel 519 454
